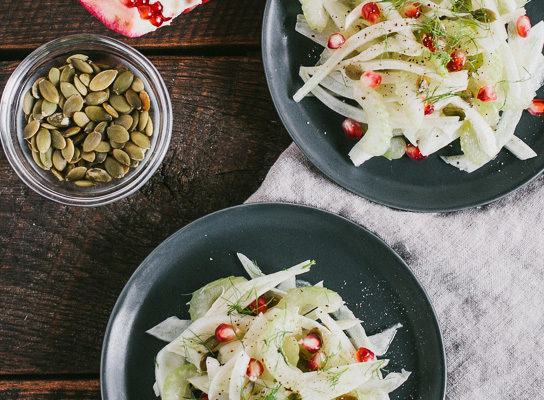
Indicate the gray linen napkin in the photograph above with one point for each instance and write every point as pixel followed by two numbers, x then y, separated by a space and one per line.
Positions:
pixel 482 268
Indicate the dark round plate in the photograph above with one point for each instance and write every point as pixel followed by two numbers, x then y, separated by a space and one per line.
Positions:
pixel 429 185
pixel 371 278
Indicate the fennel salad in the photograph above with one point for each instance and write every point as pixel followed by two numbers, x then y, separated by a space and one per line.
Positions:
pixel 413 77
pixel 269 338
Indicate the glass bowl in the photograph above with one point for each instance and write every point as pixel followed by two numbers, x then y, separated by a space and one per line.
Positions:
pixel 102 50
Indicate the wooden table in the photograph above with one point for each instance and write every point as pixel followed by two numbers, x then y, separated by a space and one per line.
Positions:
pixel 62 268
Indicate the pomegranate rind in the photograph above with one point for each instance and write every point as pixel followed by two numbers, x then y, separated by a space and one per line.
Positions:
pixel 126 21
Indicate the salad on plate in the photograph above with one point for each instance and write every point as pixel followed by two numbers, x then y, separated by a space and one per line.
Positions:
pixel 271 337
pixel 411 77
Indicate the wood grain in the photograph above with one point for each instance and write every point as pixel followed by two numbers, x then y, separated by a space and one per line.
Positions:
pixel 62 268
pixel 50 390
pixel 217 23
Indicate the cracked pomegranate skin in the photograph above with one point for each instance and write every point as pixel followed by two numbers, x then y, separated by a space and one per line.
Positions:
pixel 135 18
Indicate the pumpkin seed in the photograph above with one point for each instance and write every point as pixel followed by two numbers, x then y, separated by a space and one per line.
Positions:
pixel 28 103
pixel 76 157
pixel 43 140
pixel 146 101
pixel 100 157
pixel 35 88
pixel 149 128
pixel 83 57
pixel 67 74
pixel 37 110
pixel 138 85
pixel 140 140
pixel 115 145
pixel 135 119
pixel 81 65
pixel 85 79
pixel 97 114
pixel 68 151
pixel 31 129
pixel 114 168
pixel 58 160
pixel 83 183
pixel 57 174
pixel 58 120
pixel 74 130
pixel 48 126
pixel 48 108
pixel 121 156
pixel 76 174
pixel 96 98
pixel 118 134
pixel 96 68
pixel 125 121
pixel 123 82
pixel 57 140
pixel 144 117
pixel 98 175
pixel 68 89
pixel 81 88
pixel 89 157
pixel 38 161
pixel 49 91
pixel 90 126
pixel 54 76
pixel 135 152
pixel 110 110
pixel 73 104
pixel 101 127
pixel 62 100
pixel 80 118
pixel 103 147
pixel 133 99
pixel 46 158
pixel 120 104
pixel 102 80
pixel 92 140
pixel 33 144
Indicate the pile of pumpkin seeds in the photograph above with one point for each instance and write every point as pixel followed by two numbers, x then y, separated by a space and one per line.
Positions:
pixel 87 123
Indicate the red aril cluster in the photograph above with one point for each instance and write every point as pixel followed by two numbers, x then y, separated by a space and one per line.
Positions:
pixel 151 12
pixel 457 62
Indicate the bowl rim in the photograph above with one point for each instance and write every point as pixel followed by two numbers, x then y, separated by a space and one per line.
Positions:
pixel 115 193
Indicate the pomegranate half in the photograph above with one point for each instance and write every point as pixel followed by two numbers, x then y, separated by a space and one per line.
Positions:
pixel 126 19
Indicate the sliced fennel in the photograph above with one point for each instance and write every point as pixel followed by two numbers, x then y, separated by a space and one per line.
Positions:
pixel 418 86
pixel 269 356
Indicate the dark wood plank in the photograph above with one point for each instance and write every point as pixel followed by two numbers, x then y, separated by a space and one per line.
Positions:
pixel 50 390
pixel 62 268
pixel 27 24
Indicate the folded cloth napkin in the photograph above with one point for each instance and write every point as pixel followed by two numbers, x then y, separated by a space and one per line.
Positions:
pixel 482 268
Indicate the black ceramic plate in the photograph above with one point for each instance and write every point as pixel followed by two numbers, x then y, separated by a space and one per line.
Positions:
pixel 429 185
pixel 373 280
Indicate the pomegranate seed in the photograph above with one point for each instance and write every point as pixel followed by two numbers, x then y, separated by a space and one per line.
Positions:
pixel 145 12
pixel 371 79
pixel 255 369
pixel 130 3
pixel 412 10
pixel 537 108
pixel 259 306
pixel 317 361
pixel 428 109
pixel 336 40
pixel 204 396
pixel 311 342
pixel 371 12
pixel 225 333
pixel 157 7
pixel 428 42
pixel 458 59
pixel 364 355
pixel 157 20
pixel 524 26
pixel 414 153
pixel 352 129
pixel 487 94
